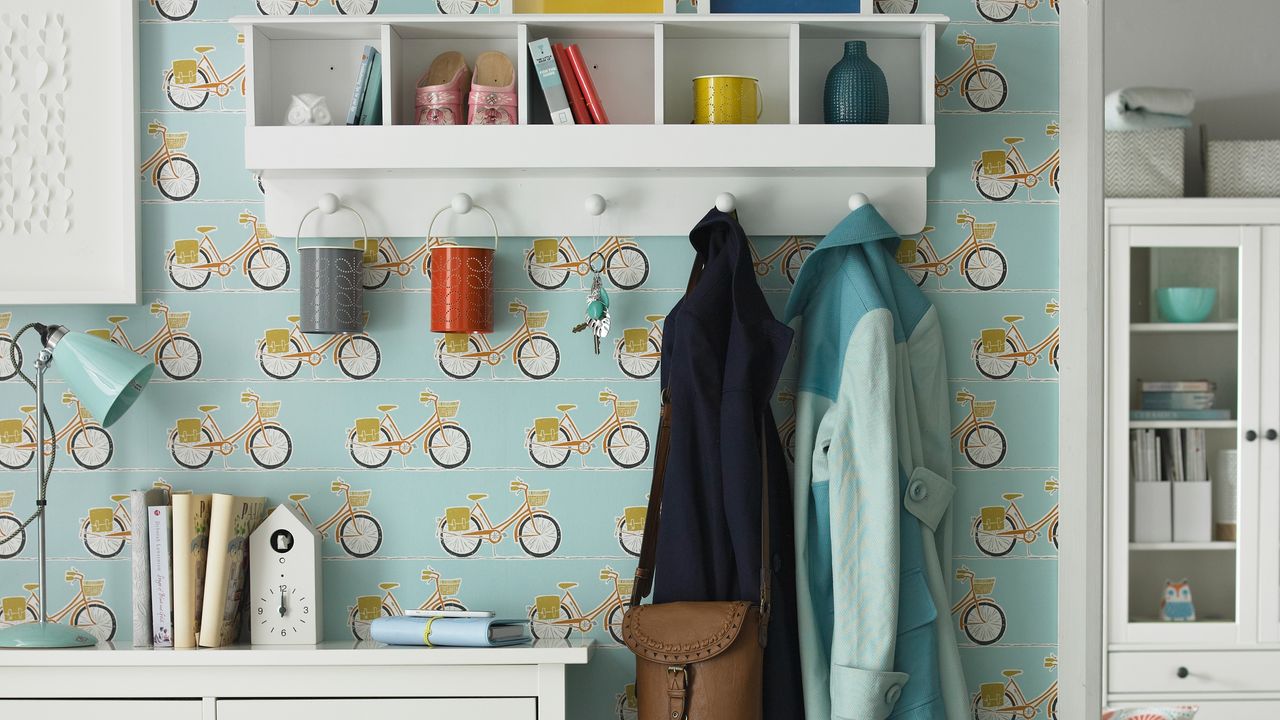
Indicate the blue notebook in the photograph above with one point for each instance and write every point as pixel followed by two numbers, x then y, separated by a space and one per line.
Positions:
pixel 453 632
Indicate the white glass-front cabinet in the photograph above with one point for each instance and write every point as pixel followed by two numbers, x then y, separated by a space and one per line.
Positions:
pixel 1200 541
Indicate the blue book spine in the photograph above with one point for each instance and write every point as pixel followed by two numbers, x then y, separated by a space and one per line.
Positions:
pixel 544 63
pixel 371 108
pixel 362 79
pixel 1177 400
pixel 1218 414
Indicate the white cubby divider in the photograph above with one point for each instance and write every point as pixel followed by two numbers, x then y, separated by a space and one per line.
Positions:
pixel 797 171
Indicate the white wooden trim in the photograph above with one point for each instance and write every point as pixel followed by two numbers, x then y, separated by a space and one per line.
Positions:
pixel 1268 496
pixel 1253 318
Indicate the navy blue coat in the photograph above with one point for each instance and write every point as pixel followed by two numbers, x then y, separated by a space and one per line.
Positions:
pixel 722 352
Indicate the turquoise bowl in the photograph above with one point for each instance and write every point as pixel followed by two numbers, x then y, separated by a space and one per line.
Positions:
pixel 1186 304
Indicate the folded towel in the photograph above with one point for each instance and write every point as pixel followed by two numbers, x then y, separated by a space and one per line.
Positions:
pixel 1169 101
pixel 1118 121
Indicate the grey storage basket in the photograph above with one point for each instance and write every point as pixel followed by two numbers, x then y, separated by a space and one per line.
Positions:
pixel 331 298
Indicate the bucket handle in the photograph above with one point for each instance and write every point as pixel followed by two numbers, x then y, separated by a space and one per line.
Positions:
pixel 330 204
pixel 463 204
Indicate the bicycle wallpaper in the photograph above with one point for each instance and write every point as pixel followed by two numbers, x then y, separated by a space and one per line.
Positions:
pixel 396 442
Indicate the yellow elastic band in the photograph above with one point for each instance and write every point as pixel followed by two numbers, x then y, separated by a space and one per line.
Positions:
pixel 426 632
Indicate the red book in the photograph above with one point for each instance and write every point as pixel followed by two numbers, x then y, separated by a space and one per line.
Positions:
pixel 579 66
pixel 577 104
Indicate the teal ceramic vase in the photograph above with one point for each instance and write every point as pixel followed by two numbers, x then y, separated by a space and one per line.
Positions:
pixel 856 91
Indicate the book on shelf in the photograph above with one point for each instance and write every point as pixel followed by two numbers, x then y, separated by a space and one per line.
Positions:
pixel 1168 455
pixel 583 73
pixel 1158 415
pixel 159 540
pixel 190 554
pixel 1147 386
pixel 450 613
pixel 453 632
pixel 140 561
pixel 1175 400
pixel 577 103
pixel 371 104
pixel 231 519
pixel 362 80
pixel 544 65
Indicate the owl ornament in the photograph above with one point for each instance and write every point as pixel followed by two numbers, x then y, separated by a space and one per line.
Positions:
pixel 1176 605
pixel 308 109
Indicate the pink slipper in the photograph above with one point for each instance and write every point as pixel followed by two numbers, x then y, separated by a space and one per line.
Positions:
pixel 493 91
pixel 441 89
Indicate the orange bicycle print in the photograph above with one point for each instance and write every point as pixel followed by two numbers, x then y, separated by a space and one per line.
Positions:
pixel 463 528
pixel 629 528
pixel 998 173
pixel 174 9
pixel 981 619
pixel 371 607
pixel 373 439
pixel 896 7
pixel 1006 701
pixel 381 258
pixel 10 525
pixel 289 7
pixel 552 439
pixel 983 266
pixel 550 261
pixel 282 351
pixel 982 443
pixel 7 348
pixel 171 347
pixel 557 616
pixel 639 350
pixel 793 251
pixel 533 351
pixel 983 86
pixel 86 608
pixel 998 528
pixel 173 173
pixel 86 441
pixel 189 82
pixel 192 262
pixel 106 529
pixel 999 350
pixel 194 440
pixel 1001 10
pixel 355 529
pixel 463 7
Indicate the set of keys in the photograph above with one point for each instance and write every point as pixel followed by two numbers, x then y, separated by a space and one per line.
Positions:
pixel 597 319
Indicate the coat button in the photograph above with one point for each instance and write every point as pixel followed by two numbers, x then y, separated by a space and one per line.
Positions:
pixel 892 694
pixel 918 491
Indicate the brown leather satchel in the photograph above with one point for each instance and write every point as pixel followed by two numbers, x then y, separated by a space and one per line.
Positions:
pixel 697 660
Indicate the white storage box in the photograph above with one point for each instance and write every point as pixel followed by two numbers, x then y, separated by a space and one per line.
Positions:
pixel 1144 163
pixel 1152 512
pixel 1192 515
pixel 1242 168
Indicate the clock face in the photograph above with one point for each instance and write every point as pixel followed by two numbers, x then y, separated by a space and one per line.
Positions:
pixel 282 612
pixel 284 602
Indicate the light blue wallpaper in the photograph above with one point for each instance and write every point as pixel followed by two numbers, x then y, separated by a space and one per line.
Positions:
pixel 989 264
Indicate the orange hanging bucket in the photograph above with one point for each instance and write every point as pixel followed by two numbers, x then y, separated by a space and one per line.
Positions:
pixel 462 281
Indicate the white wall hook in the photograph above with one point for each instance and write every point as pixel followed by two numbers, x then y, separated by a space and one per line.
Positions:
pixel 328 203
pixel 857 200
pixel 595 204
pixel 462 203
pixel 726 202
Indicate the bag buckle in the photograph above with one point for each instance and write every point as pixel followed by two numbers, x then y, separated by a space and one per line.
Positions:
pixel 677 691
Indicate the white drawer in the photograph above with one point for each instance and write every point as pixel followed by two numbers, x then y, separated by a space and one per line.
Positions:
pixel 1191 672
pixel 408 708
pixel 1217 709
pixel 102 709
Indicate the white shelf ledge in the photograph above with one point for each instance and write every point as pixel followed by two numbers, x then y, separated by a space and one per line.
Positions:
pixel 1182 546
pixel 1183 424
pixel 1206 327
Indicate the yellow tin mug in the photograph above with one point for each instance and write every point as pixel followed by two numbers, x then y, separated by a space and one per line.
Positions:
pixel 727 100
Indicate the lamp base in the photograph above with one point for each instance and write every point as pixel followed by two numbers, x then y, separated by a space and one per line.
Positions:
pixel 44 635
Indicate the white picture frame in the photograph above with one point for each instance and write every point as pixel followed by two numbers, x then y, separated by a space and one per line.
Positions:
pixel 69 164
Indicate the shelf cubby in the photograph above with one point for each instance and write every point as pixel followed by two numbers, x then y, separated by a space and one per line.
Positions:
pixel 821 46
pixel 620 57
pixel 412 48
pixel 296 62
pixel 759 50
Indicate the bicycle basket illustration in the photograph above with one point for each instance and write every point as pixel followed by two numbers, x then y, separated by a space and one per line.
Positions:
pixel 548 607
pixel 984 231
pixel 630 691
pixel 5 317
pixel 268 410
pixel 368 607
pixel 985 52
pixel 278 340
pixel 178 321
pixel 991 695
pixel 457 519
pixel 538 498
pixel 369 246
pixel 6 499
pixel 189 430
pixel 184 72
pixel 448 409
pixel 993 518
pixel 14 608
pixel 546 429
pixel 537 320
pixel 993 162
pixel 101 333
pixel 983 586
pixel 11 431
pixel 449 587
pixel 367 429
pixel 186 252
pixel 906 251
pixel 455 342
pixel 625 587
pixel 263 233
pixel 545 250
pixel 100 519
pixel 93 588
pixel 984 409
pixel 993 340
pixel 359 498
pixel 628 408
pixel 635 340
pixel 176 141
pixel 634 517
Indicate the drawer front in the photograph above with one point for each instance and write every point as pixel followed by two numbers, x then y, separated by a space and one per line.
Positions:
pixel 102 709
pixel 407 708
pixel 1216 709
pixel 1205 672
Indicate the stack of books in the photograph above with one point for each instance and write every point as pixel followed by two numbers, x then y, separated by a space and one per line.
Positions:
pixel 567 86
pixel 366 98
pixel 190 566
pixel 1169 455
pixel 1178 400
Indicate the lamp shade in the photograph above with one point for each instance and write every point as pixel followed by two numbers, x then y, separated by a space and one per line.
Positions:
pixel 105 377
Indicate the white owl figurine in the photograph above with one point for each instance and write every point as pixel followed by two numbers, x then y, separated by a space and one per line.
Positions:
pixel 1176 605
pixel 308 109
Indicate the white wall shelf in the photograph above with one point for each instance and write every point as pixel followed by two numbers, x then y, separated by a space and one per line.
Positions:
pixel 1204 327
pixel 1182 546
pixel 791 173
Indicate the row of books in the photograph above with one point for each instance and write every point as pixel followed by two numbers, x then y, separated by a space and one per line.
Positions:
pixel 366 97
pixel 1178 400
pixel 1169 455
pixel 190 566
pixel 567 85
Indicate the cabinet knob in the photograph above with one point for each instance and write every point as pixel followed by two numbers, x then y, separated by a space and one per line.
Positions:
pixel 1272 434
pixel 1183 672
pixel 1251 435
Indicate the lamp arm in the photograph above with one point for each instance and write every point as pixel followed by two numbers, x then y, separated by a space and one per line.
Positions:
pixel 44 416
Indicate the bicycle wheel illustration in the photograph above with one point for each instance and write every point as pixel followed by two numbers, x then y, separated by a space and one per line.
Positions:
pixel 984 446
pixel 992 366
pixel 460 544
pixel 917 273
pixel 7 368
pixel 104 547
pixel 277 7
pixel 997 10
pixel 276 364
pixel 538 357
pixel 627 267
pixel 180 357
pixel 454 364
pixel 270 446
pixel 1004 712
pixel 1053 534
pixel 175 9
pixel 177 178
pixel 629 540
pixel 1053 178
pixel 91 447
pixel 360 535
pixel 997 188
pixel 985 89
pixel 373 277
pixel 547 629
pixel 638 366
pixel 8 526
pixel 357 7
pixel 14 457
pixel 1053 356
pixel 183 95
pixel 457 7
pixel 628 446
pixel 187 277
pixel 792 262
pixel 613 622
pixel 96 619
pixel 985 268
pixel 449 446
pixel 365 454
pixel 359 357
pixel 539 535
pixel 995 544
pixel 192 458
pixel 268 268
pixel 546 455
pixel 983 622
pixel 1053 704
pixel 360 627
pixel 544 275
pixel 897 7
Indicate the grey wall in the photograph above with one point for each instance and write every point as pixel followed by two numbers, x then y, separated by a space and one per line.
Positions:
pixel 1227 53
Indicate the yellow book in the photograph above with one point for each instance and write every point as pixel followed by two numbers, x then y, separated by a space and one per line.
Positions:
pixel 531 7
pixel 231 519
pixel 190 552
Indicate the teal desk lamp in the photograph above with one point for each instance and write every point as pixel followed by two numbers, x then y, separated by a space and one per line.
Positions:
pixel 107 379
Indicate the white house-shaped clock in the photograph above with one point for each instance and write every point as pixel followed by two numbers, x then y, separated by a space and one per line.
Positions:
pixel 284 581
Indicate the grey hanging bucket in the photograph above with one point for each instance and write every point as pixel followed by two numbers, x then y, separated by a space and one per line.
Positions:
pixel 331 299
